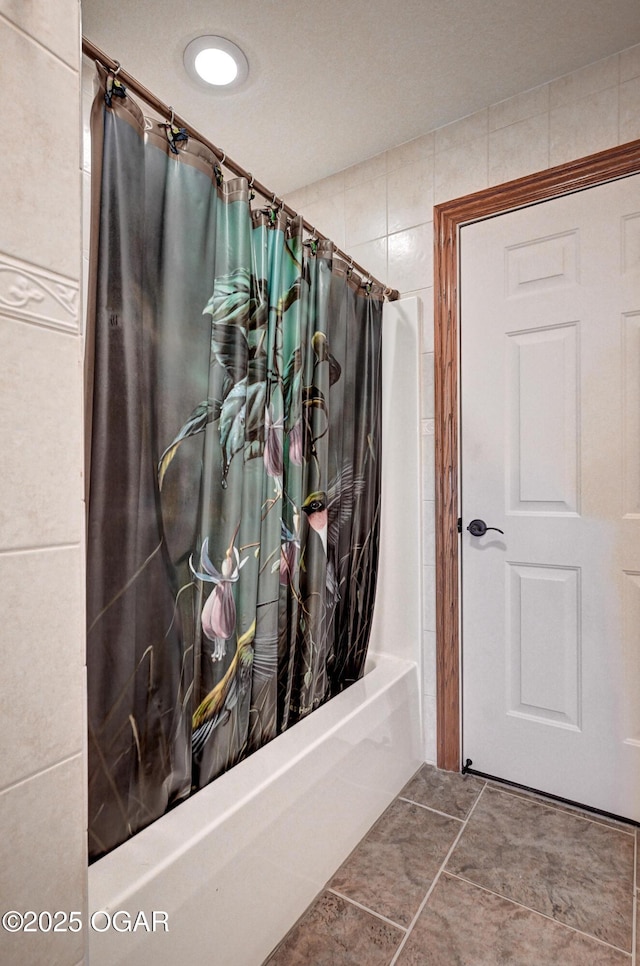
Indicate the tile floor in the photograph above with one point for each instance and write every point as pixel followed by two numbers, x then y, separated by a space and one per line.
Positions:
pixel 459 870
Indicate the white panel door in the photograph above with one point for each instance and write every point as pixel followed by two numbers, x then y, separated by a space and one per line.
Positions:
pixel 550 454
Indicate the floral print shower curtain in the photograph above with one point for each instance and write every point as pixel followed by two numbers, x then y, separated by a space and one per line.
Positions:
pixel 234 479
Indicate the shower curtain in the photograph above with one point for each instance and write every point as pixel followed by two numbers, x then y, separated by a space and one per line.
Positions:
pixel 234 482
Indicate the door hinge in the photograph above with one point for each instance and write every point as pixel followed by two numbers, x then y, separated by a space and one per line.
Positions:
pixel 459 524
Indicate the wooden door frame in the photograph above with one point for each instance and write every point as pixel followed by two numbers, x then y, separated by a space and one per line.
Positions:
pixel 596 169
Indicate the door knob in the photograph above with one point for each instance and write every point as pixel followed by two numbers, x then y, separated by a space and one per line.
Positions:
pixel 478 528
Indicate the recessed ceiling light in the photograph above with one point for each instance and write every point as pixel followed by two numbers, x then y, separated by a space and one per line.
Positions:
pixel 216 61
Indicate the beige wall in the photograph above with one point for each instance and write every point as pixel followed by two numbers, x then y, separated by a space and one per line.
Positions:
pixel 42 717
pixel 380 212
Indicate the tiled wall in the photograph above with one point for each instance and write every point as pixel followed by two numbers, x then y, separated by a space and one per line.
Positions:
pixel 42 711
pixel 380 212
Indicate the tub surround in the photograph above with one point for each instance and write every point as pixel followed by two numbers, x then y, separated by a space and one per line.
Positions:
pixel 235 865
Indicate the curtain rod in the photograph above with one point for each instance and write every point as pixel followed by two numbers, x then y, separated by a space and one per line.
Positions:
pixel 164 110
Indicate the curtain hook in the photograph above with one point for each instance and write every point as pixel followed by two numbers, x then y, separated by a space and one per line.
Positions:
pixel 252 193
pixel 349 271
pixel 223 158
pixel 113 87
pixel 312 240
pixel 173 132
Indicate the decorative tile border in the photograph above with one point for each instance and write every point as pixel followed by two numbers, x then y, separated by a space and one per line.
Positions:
pixel 36 295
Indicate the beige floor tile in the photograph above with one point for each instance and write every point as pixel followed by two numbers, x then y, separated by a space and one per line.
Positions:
pixel 564 807
pixel 445 791
pixel 462 924
pixel 394 865
pixel 334 932
pixel 556 863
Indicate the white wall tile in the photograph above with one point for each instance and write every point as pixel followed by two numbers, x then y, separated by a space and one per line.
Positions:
pixel 411 258
pixel 87 75
pixel 297 200
pixel 54 25
pixel 42 177
pixel 527 104
pixel 583 127
pixel 522 148
pixel 372 256
pixel 327 215
pixel 410 195
pixel 630 110
pixel 43 861
pixel 368 170
pixel 429 598
pixel 429 533
pixel 42 619
pixel 426 297
pixel 577 85
pixel 428 465
pixel 365 211
pixel 41 436
pixel 31 293
pixel 630 63
pixel 411 151
pixel 427 385
pixel 326 188
pixel 467 129
pixel 429 662
pixel 429 717
pixel 461 170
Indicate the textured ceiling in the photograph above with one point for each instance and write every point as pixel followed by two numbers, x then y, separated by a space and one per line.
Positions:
pixel 333 82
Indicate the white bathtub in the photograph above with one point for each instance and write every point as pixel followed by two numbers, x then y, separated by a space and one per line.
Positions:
pixel 235 866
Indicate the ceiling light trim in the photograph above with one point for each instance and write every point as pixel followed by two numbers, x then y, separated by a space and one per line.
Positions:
pixel 213 42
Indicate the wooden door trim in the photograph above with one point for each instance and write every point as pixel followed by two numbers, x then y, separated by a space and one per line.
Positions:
pixel 596 169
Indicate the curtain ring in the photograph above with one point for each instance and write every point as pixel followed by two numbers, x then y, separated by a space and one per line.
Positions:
pixel 224 158
pixel 117 69
pixel 172 116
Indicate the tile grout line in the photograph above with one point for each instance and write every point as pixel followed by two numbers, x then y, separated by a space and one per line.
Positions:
pixel 538 800
pixel 372 912
pixel 536 912
pixel 38 43
pixel 35 548
pixel 429 808
pixel 436 879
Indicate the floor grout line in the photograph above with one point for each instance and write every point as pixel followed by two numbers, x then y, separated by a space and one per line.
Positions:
pixel 372 912
pixel 430 808
pixel 436 879
pixel 536 912
pixel 565 810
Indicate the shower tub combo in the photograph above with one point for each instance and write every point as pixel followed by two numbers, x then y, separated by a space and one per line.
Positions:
pixel 234 866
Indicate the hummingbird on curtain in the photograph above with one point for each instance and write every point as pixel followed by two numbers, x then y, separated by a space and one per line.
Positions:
pixel 215 709
pixel 328 512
